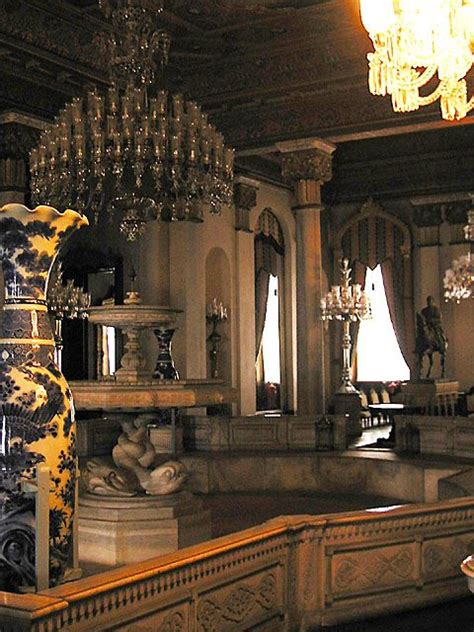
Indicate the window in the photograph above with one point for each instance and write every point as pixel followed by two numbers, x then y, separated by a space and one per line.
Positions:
pixel 271 335
pixel 109 360
pixel 379 358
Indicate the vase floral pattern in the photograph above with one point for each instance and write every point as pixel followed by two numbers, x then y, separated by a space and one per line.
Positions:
pixel 37 415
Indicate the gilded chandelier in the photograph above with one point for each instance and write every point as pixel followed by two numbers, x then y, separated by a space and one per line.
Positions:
pixel 348 303
pixel 459 279
pixel 136 150
pixel 416 41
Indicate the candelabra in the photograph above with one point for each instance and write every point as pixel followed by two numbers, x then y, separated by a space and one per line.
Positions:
pixel 216 313
pixel 347 303
pixel 459 279
pixel 64 301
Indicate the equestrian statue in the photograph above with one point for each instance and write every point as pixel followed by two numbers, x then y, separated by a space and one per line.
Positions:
pixel 430 337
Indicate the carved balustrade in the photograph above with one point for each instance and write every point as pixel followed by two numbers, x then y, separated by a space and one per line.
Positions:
pixel 287 573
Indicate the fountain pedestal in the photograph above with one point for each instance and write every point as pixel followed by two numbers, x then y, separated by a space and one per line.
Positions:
pixel 128 529
pixel 117 531
pixel 135 509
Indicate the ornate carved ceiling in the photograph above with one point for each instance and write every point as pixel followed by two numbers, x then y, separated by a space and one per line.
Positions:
pixel 266 70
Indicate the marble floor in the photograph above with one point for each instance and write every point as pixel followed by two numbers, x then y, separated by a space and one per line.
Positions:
pixel 370 436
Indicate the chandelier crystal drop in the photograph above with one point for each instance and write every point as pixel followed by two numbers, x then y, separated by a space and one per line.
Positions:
pixel 415 41
pixel 459 279
pixel 137 150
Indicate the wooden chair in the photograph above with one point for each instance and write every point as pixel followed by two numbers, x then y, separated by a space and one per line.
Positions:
pixel 366 419
pixel 374 399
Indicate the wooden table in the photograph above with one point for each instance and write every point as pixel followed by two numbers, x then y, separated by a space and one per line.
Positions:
pixel 388 409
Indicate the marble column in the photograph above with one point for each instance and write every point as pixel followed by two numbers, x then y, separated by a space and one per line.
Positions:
pixel 307 165
pixel 245 199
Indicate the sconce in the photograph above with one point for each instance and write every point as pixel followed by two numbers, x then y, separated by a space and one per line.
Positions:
pixel 216 313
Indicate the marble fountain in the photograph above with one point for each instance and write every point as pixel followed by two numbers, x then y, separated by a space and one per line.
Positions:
pixel 134 505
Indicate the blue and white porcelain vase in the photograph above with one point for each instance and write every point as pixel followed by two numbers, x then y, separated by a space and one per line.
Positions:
pixel 37 415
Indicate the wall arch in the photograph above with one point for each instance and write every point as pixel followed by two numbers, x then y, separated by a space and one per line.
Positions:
pixel 273 254
pixel 374 236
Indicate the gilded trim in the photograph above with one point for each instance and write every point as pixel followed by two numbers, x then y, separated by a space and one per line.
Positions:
pixel 27 341
pixel 38 307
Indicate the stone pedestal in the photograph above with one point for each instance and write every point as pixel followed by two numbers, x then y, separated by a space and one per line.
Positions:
pixel 430 397
pixel 114 531
pixel 163 440
pixel 349 404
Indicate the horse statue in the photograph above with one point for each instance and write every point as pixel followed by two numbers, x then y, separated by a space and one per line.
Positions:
pixel 430 339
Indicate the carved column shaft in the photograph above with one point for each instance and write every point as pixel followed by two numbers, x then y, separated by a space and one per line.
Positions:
pixel 245 199
pixel 307 169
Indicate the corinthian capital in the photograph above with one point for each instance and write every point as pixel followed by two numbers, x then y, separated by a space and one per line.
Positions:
pixel 306 160
pixel 310 164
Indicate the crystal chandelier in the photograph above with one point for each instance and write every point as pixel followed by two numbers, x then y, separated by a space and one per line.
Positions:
pixel 347 303
pixel 136 150
pixel 65 300
pixel 459 279
pixel 414 40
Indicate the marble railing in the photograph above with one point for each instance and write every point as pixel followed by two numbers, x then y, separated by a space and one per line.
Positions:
pixel 448 436
pixel 291 573
pixel 261 432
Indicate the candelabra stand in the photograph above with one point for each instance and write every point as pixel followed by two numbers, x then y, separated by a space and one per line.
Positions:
pixel 64 301
pixel 347 303
pixel 216 313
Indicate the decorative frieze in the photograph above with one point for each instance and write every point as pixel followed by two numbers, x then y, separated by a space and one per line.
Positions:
pixel 245 199
pixel 16 140
pixel 456 212
pixel 362 570
pixel 12 174
pixel 427 215
pixel 244 604
pixel 173 623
